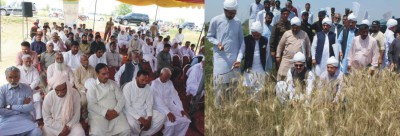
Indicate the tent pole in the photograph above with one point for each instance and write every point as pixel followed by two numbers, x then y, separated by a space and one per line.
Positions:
pixel 94 15
pixel 155 18
pixel 198 41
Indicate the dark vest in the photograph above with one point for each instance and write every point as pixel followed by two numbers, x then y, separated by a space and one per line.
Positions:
pixel 321 42
pixel 345 38
pixel 127 75
pixel 250 45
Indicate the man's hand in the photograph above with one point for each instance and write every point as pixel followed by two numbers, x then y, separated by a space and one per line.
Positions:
pixel 273 54
pixel 65 131
pixel 341 55
pixel 220 47
pixel 27 100
pixel 348 68
pixel 145 124
pixel 314 62
pixel 278 60
pixel 236 64
pixel 111 114
pixel 184 113
pixel 171 117
pixel 371 72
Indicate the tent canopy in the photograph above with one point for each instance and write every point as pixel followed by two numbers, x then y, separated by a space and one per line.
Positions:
pixel 166 3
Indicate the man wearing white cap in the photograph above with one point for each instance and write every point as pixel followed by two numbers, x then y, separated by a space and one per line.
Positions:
pixel 254 9
pixel 62 109
pixel 256 54
pixel 344 40
pixel 364 51
pixel 332 78
pixel 226 33
pixel 389 37
pixel 323 47
pixel 292 41
pixel 298 79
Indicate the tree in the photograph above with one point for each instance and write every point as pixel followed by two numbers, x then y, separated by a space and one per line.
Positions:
pixel 123 9
pixel 2 3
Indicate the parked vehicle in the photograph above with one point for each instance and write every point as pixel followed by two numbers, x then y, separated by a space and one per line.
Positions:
pixel 135 18
pixel 15 8
pixel 188 25
pixel 56 12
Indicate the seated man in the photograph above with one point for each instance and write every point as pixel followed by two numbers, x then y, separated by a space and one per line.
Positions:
pixel 59 68
pixel 105 103
pixel 194 78
pixel 97 58
pixel 298 79
pixel 113 57
pixel 72 57
pixel 186 50
pixel 127 72
pixel 168 103
pixel 142 119
pixel 46 59
pixel 30 76
pixel 332 79
pixel 164 60
pixel 15 106
pixel 148 54
pixel 25 46
pixel 61 109
pixel 175 49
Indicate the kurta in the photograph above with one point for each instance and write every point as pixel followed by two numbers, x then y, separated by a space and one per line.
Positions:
pixel 52 114
pixel 121 70
pixel 18 120
pixel 139 103
pixel 46 59
pixel 148 55
pixel 84 48
pixel 32 79
pixel 194 77
pixel 175 51
pixel 113 59
pixel 34 57
pixel 123 40
pixel 389 37
pixel 230 34
pixel 394 54
pixel 320 68
pixel 73 61
pixel 81 75
pixel 135 45
pixel 167 101
pixel 289 45
pixel 287 89
pixel 310 16
pixel 332 83
pixel 380 39
pixel 159 48
pixel 363 52
pixel 53 71
pixel 350 36
pixel 59 46
pixel 180 37
pixel 102 97
pixel 267 33
pixel 254 9
pixel 185 51
pixel 94 60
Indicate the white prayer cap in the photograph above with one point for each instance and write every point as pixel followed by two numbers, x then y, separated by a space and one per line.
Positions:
pixel 25 56
pixel 352 17
pixel 327 21
pixel 391 22
pixel 230 4
pixel 365 21
pixel 256 27
pixel 332 61
pixel 295 21
pixel 299 57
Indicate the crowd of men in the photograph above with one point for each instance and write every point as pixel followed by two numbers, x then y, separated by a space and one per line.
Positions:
pixel 74 81
pixel 303 55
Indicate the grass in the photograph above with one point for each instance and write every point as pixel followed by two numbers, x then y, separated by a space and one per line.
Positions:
pixel 372 108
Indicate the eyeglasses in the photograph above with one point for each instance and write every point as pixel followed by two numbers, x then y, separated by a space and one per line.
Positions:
pixel 298 65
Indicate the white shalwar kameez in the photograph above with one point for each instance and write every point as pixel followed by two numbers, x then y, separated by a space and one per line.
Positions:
pixel 31 78
pixel 148 52
pixel 320 68
pixel 194 78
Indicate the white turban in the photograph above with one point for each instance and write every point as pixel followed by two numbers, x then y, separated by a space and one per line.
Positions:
pixel 256 27
pixel 230 4
pixel 295 21
pixel 332 61
pixel 352 17
pixel 25 56
pixel 365 21
pixel 67 110
pixel 327 21
pixel 391 22
pixel 299 57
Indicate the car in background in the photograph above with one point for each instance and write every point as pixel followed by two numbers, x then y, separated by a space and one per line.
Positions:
pixel 56 12
pixel 15 8
pixel 134 18
pixel 188 25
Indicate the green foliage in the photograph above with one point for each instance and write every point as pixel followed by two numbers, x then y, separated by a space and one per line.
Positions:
pixel 123 9
pixel 3 3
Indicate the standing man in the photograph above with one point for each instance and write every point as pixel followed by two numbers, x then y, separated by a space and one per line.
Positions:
pixel 254 9
pixel 261 14
pixel 107 32
pixel 317 26
pixel 105 104
pixel 364 51
pixel 292 41
pixel 389 37
pixel 179 36
pixel 336 26
pixel 310 19
pixel 323 47
pixel 277 31
pixel 345 39
pixel 226 34
pixel 380 39
pixel 16 105
pixel 305 26
pixel 255 53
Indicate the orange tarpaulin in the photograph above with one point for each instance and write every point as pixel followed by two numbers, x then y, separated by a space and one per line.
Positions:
pixel 166 3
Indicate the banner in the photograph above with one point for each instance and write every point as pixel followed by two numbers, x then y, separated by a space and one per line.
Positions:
pixel 71 9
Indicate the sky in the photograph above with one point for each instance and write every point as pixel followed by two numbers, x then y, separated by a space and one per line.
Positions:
pixel 108 6
pixel 375 8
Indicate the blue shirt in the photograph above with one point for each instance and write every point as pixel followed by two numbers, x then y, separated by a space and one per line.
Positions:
pixel 38 47
pixel 351 35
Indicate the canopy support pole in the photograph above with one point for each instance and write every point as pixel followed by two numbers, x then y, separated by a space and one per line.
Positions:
pixel 94 16
pixel 198 41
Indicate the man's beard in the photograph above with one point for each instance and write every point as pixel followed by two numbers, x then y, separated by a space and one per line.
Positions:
pixel 12 86
pixel 60 66
pixel 84 41
pixel 27 68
